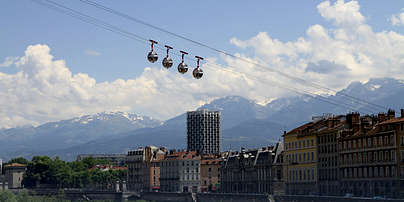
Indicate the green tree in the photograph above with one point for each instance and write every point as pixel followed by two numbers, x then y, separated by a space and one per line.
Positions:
pixel 20 160
pixel 7 196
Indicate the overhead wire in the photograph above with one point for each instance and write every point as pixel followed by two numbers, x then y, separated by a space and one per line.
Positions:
pixel 300 80
pixel 102 24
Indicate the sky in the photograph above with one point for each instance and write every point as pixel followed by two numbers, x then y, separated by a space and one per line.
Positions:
pixel 54 67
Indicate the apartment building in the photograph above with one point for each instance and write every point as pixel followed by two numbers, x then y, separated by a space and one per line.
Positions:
pixel 300 165
pixel 203 131
pixel 249 171
pixel 180 171
pixel 144 168
pixel 370 158
pixel 328 163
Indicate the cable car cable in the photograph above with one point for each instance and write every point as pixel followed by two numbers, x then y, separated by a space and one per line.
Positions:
pixel 311 83
pixel 109 27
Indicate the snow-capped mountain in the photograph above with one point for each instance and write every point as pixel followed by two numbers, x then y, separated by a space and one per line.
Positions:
pixel 244 123
pixel 68 133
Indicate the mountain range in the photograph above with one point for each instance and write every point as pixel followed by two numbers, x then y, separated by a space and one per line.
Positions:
pixel 244 123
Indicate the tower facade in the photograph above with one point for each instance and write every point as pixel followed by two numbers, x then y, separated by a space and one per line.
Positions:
pixel 203 131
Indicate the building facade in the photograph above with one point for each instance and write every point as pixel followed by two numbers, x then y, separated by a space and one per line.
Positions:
pixel 278 183
pixel 14 174
pixel 203 131
pixel 248 171
pixel 300 164
pixel 144 168
pixel 369 164
pixel 328 156
pixel 181 172
pixel 210 175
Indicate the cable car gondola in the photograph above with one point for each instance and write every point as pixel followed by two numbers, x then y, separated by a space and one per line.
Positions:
pixel 183 67
pixel 152 56
pixel 167 61
pixel 197 73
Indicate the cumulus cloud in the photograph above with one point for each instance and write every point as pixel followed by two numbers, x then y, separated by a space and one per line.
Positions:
pixel 397 19
pixel 44 89
pixel 350 45
pixel 92 53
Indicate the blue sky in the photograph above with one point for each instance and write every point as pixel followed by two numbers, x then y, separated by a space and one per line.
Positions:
pixel 213 22
pixel 55 66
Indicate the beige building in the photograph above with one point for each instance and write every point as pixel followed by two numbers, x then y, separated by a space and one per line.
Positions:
pixel 144 168
pixel 14 174
pixel 180 172
pixel 210 174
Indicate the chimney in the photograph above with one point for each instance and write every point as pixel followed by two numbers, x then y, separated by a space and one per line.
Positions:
pixel 381 117
pixel 353 120
pixel 402 113
pixel 391 114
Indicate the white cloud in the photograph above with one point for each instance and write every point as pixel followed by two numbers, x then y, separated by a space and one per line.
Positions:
pixel 8 61
pixel 44 89
pixel 92 53
pixel 397 19
pixel 350 43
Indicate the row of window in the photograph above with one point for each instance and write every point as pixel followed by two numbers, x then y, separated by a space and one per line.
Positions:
pixel 302 157
pixel 327 139
pixel 371 142
pixel 301 144
pixel 366 172
pixel 365 157
pixel 302 174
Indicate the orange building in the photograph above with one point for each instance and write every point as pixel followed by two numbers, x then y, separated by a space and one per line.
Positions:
pixel 210 175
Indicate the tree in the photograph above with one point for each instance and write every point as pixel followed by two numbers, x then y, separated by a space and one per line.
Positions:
pixel 7 196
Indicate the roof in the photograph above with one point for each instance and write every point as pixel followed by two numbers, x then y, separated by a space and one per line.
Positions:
pixel 183 155
pixel 395 120
pixel 15 165
pixel 210 162
pixel 300 128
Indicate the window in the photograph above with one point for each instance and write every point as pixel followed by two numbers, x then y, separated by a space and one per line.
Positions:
pixel 304 156
pixel 354 144
pixel 380 156
pixel 374 156
pixel 308 174
pixel 386 140
pixel 386 156
pixel 374 141
pixel 312 142
pixel 376 172
pixel 312 156
pixel 380 140
pixel 402 155
pixel 369 142
pixel 392 139
pixel 312 173
pixel 393 156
